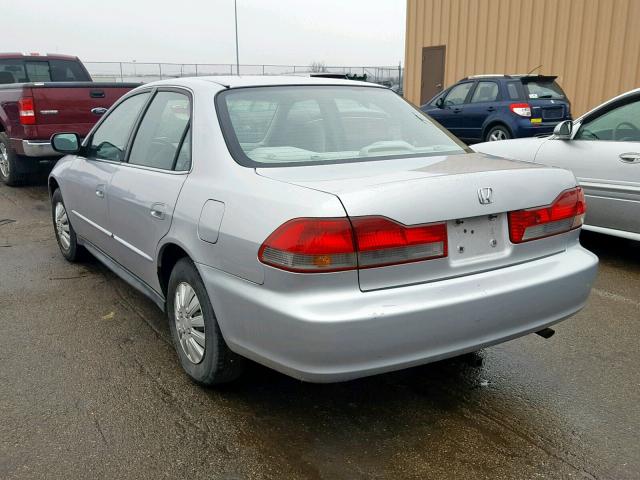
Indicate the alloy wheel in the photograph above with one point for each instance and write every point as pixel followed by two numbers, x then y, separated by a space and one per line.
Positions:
pixel 189 322
pixel 62 226
pixel 497 135
pixel 4 161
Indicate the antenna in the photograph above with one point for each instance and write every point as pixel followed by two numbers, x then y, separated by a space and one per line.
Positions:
pixel 534 69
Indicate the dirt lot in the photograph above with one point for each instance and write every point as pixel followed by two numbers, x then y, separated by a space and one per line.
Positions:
pixel 90 388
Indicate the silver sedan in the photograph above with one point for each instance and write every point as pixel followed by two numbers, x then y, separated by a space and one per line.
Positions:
pixel 602 148
pixel 322 227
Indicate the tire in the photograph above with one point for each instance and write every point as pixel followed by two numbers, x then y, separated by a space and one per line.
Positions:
pixel 65 234
pixel 496 133
pixel 8 163
pixel 208 360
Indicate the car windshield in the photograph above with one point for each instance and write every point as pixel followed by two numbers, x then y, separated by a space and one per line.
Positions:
pixel 293 125
pixel 543 89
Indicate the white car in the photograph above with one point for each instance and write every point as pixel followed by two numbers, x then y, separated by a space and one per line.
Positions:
pixel 602 148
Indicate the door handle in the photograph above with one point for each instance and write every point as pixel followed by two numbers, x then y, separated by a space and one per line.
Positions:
pixel 100 191
pixel 157 210
pixel 457 110
pixel 491 109
pixel 630 157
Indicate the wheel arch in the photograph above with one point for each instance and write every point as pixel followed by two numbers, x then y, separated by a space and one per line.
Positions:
pixel 52 185
pixel 168 255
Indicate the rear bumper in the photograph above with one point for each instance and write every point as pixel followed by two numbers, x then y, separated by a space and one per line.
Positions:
pixel 34 148
pixel 525 128
pixel 336 337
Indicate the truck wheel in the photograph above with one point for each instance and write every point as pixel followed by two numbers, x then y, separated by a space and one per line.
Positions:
pixel 203 353
pixel 8 159
pixel 498 132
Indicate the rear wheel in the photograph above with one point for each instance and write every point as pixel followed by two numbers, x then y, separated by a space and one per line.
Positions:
pixel 497 133
pixel 203 353
pixel 8 159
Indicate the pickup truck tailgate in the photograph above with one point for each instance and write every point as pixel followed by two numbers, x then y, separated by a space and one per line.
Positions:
pixel 73 107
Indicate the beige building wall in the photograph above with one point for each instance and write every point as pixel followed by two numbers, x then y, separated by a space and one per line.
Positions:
pixel 592 45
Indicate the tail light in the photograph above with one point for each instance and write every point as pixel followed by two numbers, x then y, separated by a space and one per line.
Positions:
pixel 564 214
pixel 26 111
pixel 334 244
pixel 521 109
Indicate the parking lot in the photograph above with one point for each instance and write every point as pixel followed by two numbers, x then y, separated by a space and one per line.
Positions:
pixel 91 388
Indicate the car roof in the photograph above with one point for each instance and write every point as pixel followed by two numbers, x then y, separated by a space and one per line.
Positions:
pixel 239 81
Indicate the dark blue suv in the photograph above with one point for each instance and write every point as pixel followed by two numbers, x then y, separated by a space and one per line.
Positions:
pixel 497 107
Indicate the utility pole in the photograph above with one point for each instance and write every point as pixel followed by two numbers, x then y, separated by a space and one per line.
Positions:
pixel 235 8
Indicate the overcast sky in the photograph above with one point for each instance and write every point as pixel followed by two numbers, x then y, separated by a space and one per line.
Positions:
pixel 337 32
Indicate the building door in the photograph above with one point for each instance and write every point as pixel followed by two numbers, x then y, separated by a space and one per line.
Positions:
pixel 432 72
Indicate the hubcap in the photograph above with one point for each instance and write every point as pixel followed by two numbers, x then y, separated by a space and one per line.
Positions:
pixel 189 322
pixel 497 135
pixel 4 160
pixel 62 226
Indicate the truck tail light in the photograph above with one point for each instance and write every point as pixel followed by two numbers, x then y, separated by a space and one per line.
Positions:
pixel 521 109
pixel 27 111
pixel 333 244
pixel 564 214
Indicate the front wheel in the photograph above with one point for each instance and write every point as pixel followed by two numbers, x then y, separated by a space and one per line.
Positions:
pixel 203 353
pixel 497 133
pixel 65 234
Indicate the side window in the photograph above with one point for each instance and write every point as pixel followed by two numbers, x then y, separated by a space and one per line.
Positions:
pixel 458 94
pixel 622 124
pixel 109 141
pixel 436 98
pixel 485 92
pixel 512 90
pixel 162 129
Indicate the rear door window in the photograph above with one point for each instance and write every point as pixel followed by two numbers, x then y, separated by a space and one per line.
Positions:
pixel 161 131
pixel 485 92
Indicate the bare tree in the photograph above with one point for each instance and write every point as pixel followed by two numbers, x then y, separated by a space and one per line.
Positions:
pixel 318 67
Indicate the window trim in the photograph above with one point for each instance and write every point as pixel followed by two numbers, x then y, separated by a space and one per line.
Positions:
pixel 136 128
pixel 239 157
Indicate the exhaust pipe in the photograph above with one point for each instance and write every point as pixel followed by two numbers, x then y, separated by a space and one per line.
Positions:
pixel 546 333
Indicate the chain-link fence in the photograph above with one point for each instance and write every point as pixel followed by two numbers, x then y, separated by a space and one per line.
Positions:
pixel 149 72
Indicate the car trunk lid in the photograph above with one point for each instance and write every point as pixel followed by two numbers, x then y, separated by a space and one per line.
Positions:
pixel 450 189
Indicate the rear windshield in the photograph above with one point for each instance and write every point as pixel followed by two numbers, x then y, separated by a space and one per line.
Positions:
pixel 23 70
pixel 543 89
pixel 305 125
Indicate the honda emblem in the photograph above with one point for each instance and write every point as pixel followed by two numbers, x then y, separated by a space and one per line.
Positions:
pixel 485 195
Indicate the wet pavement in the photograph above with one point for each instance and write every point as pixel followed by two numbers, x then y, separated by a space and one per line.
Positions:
pixel 90 387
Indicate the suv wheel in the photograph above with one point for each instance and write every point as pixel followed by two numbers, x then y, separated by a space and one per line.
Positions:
pixel 8 167
pixel 497 133
pixel 203 353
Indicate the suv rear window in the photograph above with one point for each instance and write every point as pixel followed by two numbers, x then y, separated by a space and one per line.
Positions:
pixel 24 70
pixel 542 89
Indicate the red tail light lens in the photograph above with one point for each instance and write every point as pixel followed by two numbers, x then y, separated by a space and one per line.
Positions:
pixel 26 111
pixel 564 214
pixel 521 109
pixel 311 245
pixel 334 244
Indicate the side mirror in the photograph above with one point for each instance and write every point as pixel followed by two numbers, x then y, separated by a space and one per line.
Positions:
pixel 563 130
pixel 440 102
pixel 67 143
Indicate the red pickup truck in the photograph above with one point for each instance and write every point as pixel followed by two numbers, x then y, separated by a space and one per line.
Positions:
pixel 41 95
